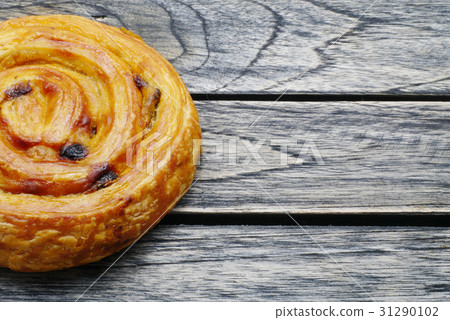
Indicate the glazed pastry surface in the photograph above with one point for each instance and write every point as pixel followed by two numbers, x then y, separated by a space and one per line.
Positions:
pixel 99 138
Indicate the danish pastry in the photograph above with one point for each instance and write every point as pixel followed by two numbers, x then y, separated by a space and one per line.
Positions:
pixel 99 139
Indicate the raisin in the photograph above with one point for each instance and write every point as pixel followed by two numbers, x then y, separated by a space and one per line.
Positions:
pixel 74 151
pixel 154 98
pixel 140 83
pixel 17 90
pixel 105 179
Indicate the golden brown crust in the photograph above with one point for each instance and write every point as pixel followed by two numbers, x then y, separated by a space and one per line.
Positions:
pixel 99 139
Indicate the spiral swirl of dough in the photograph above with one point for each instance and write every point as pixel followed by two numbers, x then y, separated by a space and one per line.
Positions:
pixel 99 139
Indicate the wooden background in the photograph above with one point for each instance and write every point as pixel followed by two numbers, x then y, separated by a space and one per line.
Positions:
pixel 365 117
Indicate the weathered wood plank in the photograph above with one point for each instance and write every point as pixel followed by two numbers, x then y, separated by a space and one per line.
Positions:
pixel 322 157
pixel 251 263
pixel 265 46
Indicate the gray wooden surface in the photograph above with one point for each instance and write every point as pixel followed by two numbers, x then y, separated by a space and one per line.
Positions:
pixel 264 46
pixel 342 157
pixel 359 158
pixel 253 263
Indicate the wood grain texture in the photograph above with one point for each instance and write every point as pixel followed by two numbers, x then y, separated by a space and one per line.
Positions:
pixel 342 157
pixel 320 46
pixel 251 263
pixel 322 157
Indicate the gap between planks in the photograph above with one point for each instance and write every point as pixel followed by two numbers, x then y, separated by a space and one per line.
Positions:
pixel 274 97
pixel 318 219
